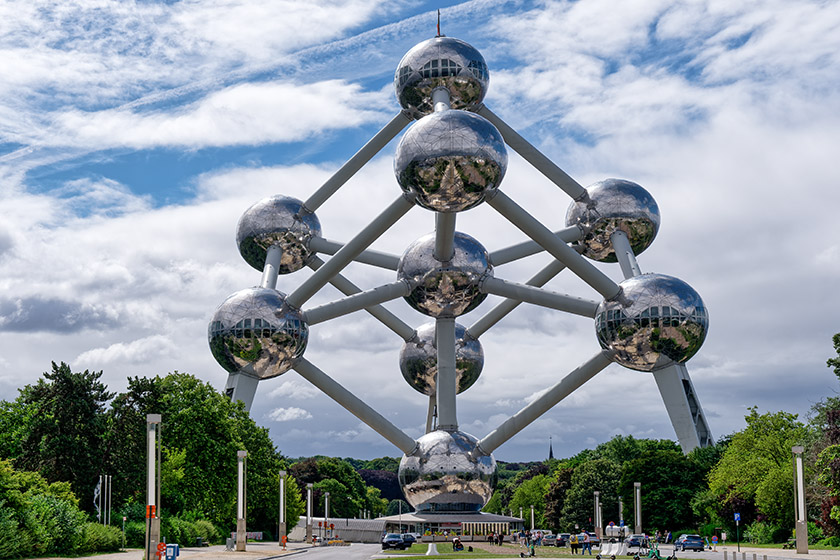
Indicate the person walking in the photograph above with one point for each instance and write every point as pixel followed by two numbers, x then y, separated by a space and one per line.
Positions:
pixel 587 544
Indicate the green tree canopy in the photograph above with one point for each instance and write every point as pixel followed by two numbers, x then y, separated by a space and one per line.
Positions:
pixel 602 475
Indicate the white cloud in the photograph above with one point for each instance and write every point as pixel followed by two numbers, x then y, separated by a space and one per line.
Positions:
pixel 287 414
pixel 136 352
pixel 294 389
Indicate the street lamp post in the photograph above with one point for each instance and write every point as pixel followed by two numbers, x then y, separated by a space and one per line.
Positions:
pixel 327 514
pixel 801 512
pixel 309 512
pixel 637 506
pixel 532 518
pixel 598 523
pixel 241 533
pixel 152 502
pixel 281 530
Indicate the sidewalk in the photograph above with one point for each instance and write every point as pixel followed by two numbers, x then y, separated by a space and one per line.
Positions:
pixel 253 551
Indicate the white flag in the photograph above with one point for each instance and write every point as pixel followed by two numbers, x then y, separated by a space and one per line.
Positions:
pixel 96 497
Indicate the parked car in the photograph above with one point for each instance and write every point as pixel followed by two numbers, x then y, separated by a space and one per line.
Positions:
pixel 690 542
pixel 563 539
pixel 409 539
pixel 637 541
pixel 594 540
pixel 393 540
pixel 549 540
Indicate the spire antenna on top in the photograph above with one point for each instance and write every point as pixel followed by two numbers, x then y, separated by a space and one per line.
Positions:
pixel 438 25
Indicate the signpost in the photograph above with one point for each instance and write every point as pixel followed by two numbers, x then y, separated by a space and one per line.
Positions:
pixel 738 530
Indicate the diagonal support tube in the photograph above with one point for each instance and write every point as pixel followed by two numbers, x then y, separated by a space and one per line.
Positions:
pixel 537 408
pixel 359 159
pixel 538 296
pixel 385 317
pixel 350 251
pixel 357 302
pixel 500 311
pixel 528 248
pixel 355 405
pixel 546 238
pixel 272 263
pixel 374 258
pixel 535 157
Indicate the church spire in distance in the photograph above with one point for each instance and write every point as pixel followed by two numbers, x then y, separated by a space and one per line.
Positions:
pixel 550 450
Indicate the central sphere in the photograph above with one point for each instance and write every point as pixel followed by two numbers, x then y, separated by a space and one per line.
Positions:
pixel 277 221
pixel 445 289
pixel 451 160
pixel 418 360
pixel 447 472
pixel 654 321
pixel 441 62
pixel 615 205
pixel 255 331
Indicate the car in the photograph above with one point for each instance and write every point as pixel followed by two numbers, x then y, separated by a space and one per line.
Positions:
pixel 594 540
pixel 690 542
pixel 549 539
pixel 562 539
pixel 637 541
pixel 393 540
pixel 409 539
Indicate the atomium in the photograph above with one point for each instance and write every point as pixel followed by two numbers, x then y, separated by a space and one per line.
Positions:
pixel 255 331
pixel 445 289
pixel 441 62
pixel 447 472
pixel 615 205
pixel 418 359
pixel 655 321
pixel 277 221
pixel 451 160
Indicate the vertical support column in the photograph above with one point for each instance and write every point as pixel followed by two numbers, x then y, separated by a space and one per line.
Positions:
pixel 446 376
pixel 241 531
pixel 152 517
pixel 309 512
pixel 430 415
pixel 598 524
pixel 242 387
pixel 272 265
pixel 683 407
pixel 532 518
pixel 637 506
pixel 281 529
pixel 801 511
pixel 327 514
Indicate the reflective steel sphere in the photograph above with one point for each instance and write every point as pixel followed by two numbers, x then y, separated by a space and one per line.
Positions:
pixel 447 289
pixel 418 360
pixel 255 331
pixel 441 62
pixel 277 220
pixel 654 321
pixel 451 160
pixel 447 472
pixel 616 205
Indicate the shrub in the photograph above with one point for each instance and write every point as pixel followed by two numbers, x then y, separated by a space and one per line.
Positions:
pixel 135 534
pixel 762 532
pixel 56 524
pixel 101 538
pixel 830 541
pixel 815 533
pixel 10 545
pixel 207 531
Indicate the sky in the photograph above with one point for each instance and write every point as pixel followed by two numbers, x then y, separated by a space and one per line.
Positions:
pixel 133 135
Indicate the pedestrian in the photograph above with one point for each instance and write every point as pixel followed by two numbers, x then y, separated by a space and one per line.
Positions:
pixel 668 537
pixel 573 542
pixel 587 544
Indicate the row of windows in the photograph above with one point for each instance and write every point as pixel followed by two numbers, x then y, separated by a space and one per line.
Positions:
pixel 665 316
pixel 444 67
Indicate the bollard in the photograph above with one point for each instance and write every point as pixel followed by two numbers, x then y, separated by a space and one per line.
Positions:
pixel 725 554
pixel 755 556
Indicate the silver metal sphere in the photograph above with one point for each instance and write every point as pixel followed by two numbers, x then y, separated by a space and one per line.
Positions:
pixel 654 321
pixel 615 205
pixel 418 360
pixel 447 289
pixel 255 331
pixel 277 220
pixel 441 62
pixel 447 472
pixel 451 160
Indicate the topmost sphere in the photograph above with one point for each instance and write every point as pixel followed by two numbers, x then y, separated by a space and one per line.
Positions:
pixel 441 62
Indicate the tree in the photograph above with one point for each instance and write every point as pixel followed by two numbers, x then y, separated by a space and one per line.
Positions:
pixel 532 493
pixel 756 467
pixel 669 482
pixel 835 362
pixel 598 474
pixel 555 498
pixel 63 434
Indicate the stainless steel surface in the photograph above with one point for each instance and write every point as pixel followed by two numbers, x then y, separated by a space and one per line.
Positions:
pixel 654 321
pixel 615 205
pixel 255 331
pixel 451 160
pixel 356 302
pixel 277 220
pixel 418 360
pixel 441 62
pixel 447 289
pixel 447 472
pixel 539 296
